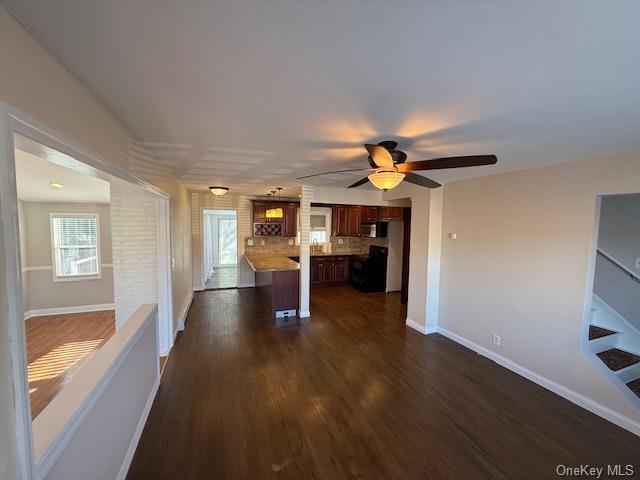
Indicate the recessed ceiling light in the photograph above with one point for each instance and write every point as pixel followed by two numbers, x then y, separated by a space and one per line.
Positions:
pixel 57 185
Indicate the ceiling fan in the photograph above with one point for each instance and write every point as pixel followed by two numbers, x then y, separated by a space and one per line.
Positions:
pixel 390 168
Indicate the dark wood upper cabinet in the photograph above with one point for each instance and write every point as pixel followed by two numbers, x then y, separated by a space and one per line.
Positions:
pixel 290 226
pixel 353 221
pixel 390 213
pixel 340 221
pixel 259 212
pixel 369 214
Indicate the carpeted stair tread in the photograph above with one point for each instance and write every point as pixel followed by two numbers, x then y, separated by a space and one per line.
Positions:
pixel 635 386
pixel 617 359
pixel 599 332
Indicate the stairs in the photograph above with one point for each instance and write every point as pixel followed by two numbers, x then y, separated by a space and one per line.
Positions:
pixel 617 345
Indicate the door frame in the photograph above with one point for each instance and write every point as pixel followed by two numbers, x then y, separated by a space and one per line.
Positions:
pixel 14 122
pixel 204 211
pixel 216 245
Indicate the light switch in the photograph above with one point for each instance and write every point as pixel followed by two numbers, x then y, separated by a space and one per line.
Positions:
pixel 453 236
pixel 262 243
pixel 290 241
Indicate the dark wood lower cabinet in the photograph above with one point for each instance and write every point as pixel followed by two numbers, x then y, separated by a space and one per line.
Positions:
pixel 329 270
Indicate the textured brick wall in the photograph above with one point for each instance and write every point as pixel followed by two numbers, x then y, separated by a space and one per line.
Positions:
pixel 134 248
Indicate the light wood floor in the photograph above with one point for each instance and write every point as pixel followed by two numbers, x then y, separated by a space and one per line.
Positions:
pixel 56 346
pixel 223 277
pixel 352 393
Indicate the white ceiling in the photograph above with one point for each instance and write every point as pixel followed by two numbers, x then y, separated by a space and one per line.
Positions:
pixel 34 175
pixel 251 94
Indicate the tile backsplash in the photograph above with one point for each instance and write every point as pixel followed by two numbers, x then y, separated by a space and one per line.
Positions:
pixel 280 245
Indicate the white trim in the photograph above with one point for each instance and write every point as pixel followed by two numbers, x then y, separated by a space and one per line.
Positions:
pixel 13 292
pixel 594 407
pixel 420 328
pixel 304 314
pixel 164 264
pixel 39 268
pixel 79 277
pixel 183 317
pixel 126 463
pixel 133 329
pixel 66 310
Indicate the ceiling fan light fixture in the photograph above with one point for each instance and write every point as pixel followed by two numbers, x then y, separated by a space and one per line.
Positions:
pixel 386 180
pixel 218 191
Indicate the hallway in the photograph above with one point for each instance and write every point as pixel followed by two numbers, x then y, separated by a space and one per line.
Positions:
pixel 352 393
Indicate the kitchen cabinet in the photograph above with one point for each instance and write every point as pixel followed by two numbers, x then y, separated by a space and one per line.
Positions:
pixel 353 221
pixel 369 214
pixel 290 224
pixel 340 221
pixel 329 270
pixel 259 212
pixel 390 213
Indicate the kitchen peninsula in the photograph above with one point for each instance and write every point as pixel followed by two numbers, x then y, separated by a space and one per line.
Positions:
pixel 281 275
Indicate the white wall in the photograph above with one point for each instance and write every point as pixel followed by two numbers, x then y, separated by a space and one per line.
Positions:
pixel 134 239
pixel 520 266
pixel 37 267
pixel 102 441
pixel 36 84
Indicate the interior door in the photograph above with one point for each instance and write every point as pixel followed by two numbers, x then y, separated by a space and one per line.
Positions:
pixel 226 241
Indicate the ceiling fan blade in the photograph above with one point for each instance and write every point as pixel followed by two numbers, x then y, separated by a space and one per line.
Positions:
pixel 448 162
pixel 380 155
pixel 359 182
pixel 334 171
pixel 420 180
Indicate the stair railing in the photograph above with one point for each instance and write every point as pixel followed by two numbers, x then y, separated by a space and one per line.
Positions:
pixel 624 268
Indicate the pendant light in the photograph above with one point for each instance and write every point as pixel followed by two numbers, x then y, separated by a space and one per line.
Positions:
pixel 278 213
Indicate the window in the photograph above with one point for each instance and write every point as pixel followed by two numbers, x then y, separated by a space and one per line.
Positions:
pixel 76 249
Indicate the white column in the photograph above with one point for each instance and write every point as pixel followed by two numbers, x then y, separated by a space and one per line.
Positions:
pixel 305 259
pixel 433 259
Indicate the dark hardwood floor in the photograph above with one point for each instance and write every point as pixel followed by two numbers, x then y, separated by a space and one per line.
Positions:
pixel 352 393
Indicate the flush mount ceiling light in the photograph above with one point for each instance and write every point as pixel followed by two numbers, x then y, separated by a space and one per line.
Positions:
pixel 56 185
pixel 386 180
pixel 219 191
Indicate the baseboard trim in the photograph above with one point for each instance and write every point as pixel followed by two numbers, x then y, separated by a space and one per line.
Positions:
pixel 420 328
pixel 183 317
pixel 304 314
pixel 124 469
pixel 574 397
pixel 66 310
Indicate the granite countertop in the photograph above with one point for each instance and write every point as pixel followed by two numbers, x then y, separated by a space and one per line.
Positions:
pixel 277 262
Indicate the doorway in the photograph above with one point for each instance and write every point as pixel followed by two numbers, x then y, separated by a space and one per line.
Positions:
pixel 220 241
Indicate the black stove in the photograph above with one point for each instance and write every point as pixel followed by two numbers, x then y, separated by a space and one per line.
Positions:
pixel 369 272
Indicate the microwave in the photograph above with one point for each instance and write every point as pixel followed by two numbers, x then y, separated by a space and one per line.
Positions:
pixel 374 229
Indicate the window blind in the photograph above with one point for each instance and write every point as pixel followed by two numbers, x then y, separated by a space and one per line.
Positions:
pixel 75 244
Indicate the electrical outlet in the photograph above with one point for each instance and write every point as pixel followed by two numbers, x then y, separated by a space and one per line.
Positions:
pixel 497 340
pixel 262 243
pixel 250 243
pixel 637 262
pixel 290 241
pixel 340 241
